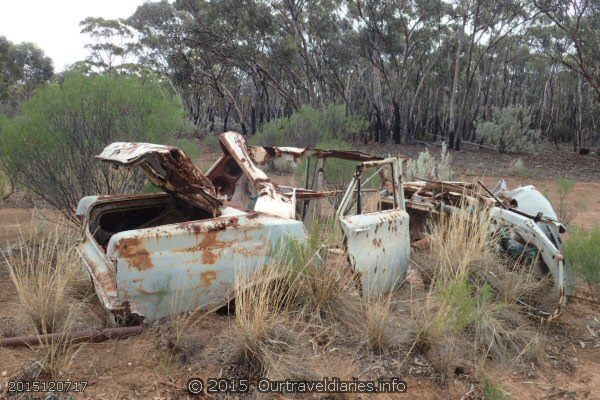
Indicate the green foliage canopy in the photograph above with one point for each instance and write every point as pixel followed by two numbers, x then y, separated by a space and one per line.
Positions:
pixel 50 147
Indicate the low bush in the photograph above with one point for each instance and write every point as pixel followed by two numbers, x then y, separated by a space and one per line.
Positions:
pixel 53 295
pixel 519 168
pixel 464 319
pixel 45 271
pixel 494 391
pixel 189 147
pixel 308 126
pixel 49 148
pixel 426 166
pixel 560 133
pixel 566 210
pixel 509 130
pixel 583 255
pixel 263 340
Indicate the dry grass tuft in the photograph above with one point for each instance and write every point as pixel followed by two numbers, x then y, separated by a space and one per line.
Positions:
pixel 386 331
pixel 327 293
pixel 318 284
pixel 55 356
pixel 263 338
pixel 50 285
pixel 47 275
pixel 460 243
pixel 463 318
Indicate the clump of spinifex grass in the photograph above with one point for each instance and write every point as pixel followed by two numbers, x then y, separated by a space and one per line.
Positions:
pixel 46 273
pixel 47 276
pixel 462 318
pixel 280 307
pixel 264 335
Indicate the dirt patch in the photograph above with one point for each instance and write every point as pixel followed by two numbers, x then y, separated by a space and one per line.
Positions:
pixel 549 163
pixel 585 196
pixel 14 221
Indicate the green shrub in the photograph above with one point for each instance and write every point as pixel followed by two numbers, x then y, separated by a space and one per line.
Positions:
pixel 211 143
pixel 308 126
pixel 189 147
pixel 583 255
pixel 456 296
pixel 426 166
pixel 337 173
pixel 566 210
pixel 560 133
pixel 521 170
pixel 49 148
pixel 493 391
pixel 565 186
pixel 509 130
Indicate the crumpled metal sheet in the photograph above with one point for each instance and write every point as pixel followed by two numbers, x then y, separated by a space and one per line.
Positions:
pixel 260 154
pixel 377 243
pixel 269 200
pixel 378 247
pixel 168 168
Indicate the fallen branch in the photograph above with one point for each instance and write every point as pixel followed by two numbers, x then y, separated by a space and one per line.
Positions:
pixel 483 146
pixel 90 335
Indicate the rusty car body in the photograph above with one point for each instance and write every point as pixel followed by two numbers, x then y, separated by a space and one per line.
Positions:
pixel 152 255
pixel 523 217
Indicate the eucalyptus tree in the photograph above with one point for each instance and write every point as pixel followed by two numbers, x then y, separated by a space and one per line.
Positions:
pixel 23 68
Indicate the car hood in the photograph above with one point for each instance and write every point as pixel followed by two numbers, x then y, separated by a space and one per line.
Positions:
pixel 168 168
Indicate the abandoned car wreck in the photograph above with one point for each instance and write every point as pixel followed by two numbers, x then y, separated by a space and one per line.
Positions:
pixel 152 255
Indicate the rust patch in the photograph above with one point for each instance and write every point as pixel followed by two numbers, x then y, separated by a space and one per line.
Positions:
pixel 209 246
pixel 133 249
pixel 207 278
pixel 215 224
pixel 142 291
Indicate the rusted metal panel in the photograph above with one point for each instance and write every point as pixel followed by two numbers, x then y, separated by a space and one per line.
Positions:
pixel 154 272
pixel 260 154
pixel 237 162
pixel 236 147
pixel 167 167
pixel 377 244
pixel 271 202
pixel 378 247
pixel 349 155
pixel 302 193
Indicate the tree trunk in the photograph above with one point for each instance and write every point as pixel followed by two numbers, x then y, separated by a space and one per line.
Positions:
pixel 253 109
pixel 226 116
pixel 397 132
pixel 452 112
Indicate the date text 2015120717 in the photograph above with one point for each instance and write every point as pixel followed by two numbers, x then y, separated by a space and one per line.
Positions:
pixel 46 386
